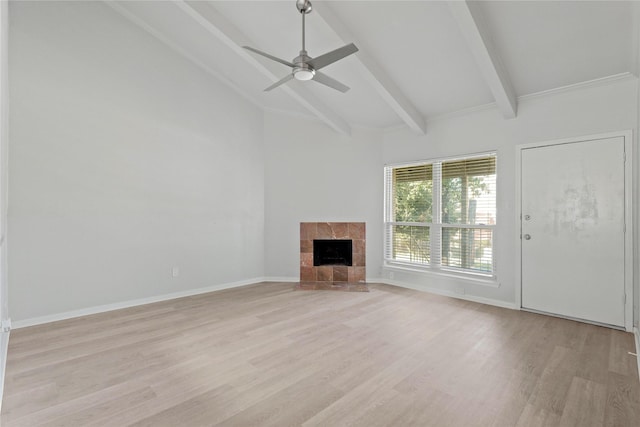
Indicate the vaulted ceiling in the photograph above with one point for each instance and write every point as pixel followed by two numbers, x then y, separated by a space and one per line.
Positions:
pixel 417 59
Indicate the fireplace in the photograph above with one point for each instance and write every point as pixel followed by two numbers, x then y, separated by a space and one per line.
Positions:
pixel 342 262
pixel 332 252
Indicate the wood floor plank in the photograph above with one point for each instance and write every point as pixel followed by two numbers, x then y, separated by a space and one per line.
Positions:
pixel 594 354
pixel 198 410
pixel 268 354
pixel 585 404
pixel 513 399
pixel 621 354
pixel 623 401
pixel 535 416
pixel 74 414
pixel 194 379
pixel 308 396
pixel 550 393
pixel 368 394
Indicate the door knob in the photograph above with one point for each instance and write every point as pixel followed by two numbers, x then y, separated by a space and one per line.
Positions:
pixel 527 237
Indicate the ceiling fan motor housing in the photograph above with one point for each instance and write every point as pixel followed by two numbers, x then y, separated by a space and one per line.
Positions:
pixel 303 71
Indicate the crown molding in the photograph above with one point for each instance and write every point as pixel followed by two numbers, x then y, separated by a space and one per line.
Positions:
pixel 602 81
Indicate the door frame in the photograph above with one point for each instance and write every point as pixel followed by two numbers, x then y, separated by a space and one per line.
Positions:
pixel 628 213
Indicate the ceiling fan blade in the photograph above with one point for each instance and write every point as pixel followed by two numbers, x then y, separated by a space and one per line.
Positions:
pixel 271 57
pixel 333 56
pixel 279 82
pixel 328 81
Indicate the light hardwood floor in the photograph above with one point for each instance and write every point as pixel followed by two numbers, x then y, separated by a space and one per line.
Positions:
pixel 268 355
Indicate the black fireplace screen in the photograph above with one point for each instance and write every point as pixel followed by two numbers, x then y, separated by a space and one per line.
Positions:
pixel 332 252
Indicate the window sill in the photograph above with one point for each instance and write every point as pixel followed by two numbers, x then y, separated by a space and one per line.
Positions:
pixel 475 279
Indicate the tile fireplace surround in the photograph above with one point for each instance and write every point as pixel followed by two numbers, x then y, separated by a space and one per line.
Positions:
pixel 310 231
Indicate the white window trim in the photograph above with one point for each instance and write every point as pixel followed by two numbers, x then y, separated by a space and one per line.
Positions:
pixel 435 268
pixel 449 273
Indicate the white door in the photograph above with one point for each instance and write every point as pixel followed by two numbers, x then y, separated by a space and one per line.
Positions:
pixel 572 226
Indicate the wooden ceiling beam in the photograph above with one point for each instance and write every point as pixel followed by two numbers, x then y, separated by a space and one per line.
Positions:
pixel 469 18
pixel 205 14
pixel 374 73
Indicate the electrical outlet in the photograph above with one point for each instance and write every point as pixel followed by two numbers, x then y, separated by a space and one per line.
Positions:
pixel 6 325
pixel 391 275
pixel 175 271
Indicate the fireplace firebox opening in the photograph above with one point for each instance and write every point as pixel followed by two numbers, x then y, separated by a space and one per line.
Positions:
pixel 332 252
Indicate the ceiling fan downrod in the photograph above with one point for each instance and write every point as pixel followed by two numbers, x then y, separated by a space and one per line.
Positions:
pixel 304 7
pixel 302 71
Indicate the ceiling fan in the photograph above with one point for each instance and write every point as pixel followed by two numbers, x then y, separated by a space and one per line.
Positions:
pixel 305 67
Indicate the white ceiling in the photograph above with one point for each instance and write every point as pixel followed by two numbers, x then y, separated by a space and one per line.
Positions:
pixel 417 59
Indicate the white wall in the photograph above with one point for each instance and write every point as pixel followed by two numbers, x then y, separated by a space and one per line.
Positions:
pixel 577 112
pixel 4 142
pixel 636 195
pixel 4 139
pixel 312 174
pixel 125 160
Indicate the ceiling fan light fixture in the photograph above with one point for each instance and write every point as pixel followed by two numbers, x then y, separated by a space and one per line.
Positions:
pixel 304 74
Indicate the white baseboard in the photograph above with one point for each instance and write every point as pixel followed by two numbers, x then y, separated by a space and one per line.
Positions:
pixel 481 300
pixel 4 347
pixel 636 334
pixel 281 279
pixel 131 303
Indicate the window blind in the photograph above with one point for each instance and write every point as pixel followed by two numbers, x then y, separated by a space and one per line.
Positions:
pixel 413 193
pixel 469 191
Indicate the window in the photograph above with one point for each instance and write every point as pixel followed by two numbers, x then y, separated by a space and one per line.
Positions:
pixel 441 214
